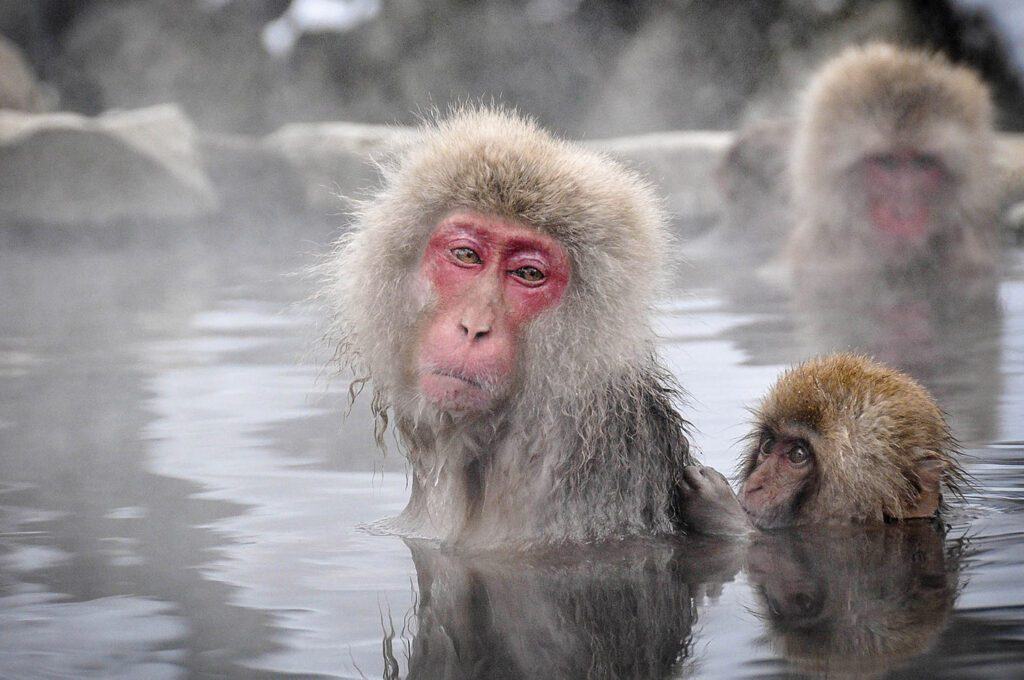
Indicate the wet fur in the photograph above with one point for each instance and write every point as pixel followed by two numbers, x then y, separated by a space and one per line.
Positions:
pixel 590 441
pixel 871 427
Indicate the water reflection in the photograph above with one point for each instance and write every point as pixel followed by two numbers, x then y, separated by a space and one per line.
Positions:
pixel 624 612
pixel 945 332
pixel 855 602
pixel 851 602
pixel 179 496
pixel 101 559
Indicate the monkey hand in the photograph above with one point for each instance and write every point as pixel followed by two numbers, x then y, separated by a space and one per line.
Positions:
pixel 708 504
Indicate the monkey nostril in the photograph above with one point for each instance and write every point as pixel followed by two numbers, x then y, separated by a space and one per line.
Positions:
pixel 474 331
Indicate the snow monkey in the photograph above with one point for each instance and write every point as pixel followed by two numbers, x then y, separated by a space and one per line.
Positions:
pixel 496 291
pixel 839 439
pixel 892 168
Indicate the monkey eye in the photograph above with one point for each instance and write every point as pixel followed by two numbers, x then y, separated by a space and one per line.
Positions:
pixel 528 274
pixel 925 162
pixel 766 447
pixel 798 455
pixel 466 256
pixel 886 161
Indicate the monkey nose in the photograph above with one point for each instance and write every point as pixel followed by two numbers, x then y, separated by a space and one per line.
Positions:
pixel 475 329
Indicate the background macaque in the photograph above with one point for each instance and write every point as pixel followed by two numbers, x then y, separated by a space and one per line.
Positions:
pixel 496 290
pixel 892 168
pixel 838 439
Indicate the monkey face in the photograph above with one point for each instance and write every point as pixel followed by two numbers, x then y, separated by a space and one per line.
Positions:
pixel 904 188
pixel 489 278
pixel 782 473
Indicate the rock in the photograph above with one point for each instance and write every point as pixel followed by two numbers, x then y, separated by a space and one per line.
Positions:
pixel 333 159
pixel 19 89
pixel 682 167
pixel 67 169
pixel 252 180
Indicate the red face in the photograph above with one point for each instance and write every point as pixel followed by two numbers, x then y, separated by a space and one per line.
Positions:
pixel 783 469
pixel 902 189
pixel 491 278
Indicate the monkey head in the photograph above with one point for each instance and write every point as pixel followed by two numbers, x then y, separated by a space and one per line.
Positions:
pixel 842 439
pixel 495 262
pixel 893 154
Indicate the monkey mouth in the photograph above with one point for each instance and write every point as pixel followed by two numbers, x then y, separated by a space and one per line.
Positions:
pixel 455 375
pixel 455 391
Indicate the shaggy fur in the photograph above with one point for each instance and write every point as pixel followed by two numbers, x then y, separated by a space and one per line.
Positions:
pixel 589 444
pixel 878 98
pixel 872 428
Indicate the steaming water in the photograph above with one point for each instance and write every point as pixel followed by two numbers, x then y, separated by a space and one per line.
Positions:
pixel 179 496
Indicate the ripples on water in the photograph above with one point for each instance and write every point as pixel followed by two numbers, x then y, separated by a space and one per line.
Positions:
pixel 179 496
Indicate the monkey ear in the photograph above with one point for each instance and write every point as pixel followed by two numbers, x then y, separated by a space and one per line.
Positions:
pixel 929 480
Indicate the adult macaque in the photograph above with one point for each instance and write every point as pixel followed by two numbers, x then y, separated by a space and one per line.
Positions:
pixel 496 290
pixel 838 440
pixel 892 169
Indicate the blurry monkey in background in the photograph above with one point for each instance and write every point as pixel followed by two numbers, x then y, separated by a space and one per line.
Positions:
pixel 838 440
pixel 892 169
pixel 888 167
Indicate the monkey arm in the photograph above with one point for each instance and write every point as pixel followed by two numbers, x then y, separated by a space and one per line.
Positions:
pixel 708 505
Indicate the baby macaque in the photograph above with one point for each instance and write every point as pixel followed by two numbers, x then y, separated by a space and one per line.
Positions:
pixel 839 439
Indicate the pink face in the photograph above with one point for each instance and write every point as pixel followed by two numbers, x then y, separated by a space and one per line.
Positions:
pixel 783 469
pixel 491 277
pixel 902 189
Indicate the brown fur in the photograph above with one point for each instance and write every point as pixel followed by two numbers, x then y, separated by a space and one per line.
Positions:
pixel 872 99
pixel 589 443
pixel 871 428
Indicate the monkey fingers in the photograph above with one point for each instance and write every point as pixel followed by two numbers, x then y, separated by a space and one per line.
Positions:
pixel 709 504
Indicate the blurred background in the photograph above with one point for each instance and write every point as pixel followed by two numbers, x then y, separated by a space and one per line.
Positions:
pixel 589 67
pixel 221 97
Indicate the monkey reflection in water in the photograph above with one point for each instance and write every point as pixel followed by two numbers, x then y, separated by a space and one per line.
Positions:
pixel 851 601
pixel 623 615
pixel 854 601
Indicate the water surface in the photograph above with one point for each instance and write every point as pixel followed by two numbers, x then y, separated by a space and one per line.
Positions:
pixel 180 495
